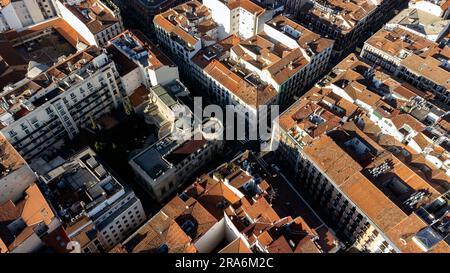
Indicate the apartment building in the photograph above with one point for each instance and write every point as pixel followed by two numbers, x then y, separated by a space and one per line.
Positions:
pixel 93 20
pixel 242 18
pixel 380 192
pixel 166 165
pixel 227 211
pixel 27 223
pixel 20 14
pixel 30 37
pixel 286 56
pixel 411 58
pixel 16 176
pixel 53 101
pixel 270 68
pixel 219 51
pixel 231 85
pixel 422 21
pixel 163 104
pixel 97 210
pixel 440 8
pixel 346 22
pixel 185 29
pixel 143 62
pixel 54 36
pixel 48 109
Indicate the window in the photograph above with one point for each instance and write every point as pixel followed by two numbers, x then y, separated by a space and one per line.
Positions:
pixel 12 133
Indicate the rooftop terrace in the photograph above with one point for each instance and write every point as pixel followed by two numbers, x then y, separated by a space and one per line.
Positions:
pixel 80 187
pixel 137 47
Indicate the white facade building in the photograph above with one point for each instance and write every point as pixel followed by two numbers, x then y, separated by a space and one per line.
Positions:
pixel 92 19
pixel 421 20
pixel 440 8
pixel 19 14
pixel 152 67
pixel 263 69
pixel 54 105
pixel 242 18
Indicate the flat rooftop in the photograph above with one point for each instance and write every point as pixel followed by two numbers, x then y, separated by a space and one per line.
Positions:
pixel 18 48
pixel 166 153
pixel 79 185
pixel 58 25
pixel 421 22
pixel 46 50
pixel 152 159
pixel 137 47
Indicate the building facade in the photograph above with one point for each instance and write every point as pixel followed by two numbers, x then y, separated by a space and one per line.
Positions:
pixel 20 14
pixel 411 58
pixel 92 19
pixel 184 30
pixel 102 213
pixel 227 211
pixel 51 107
pixel 358 172
pixel 345 22
pixel 166 165
pixel 241 18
